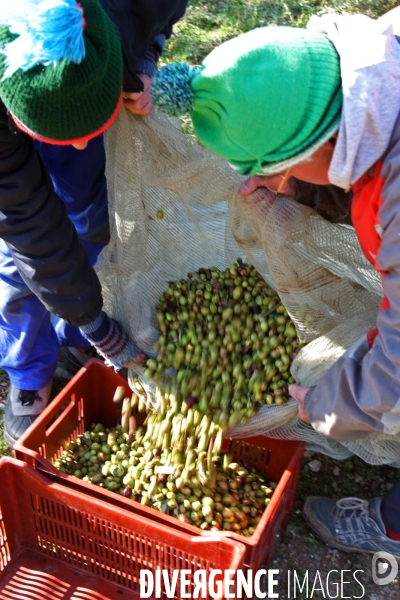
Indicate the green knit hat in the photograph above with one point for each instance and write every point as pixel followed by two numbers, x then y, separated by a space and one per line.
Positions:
pixel 61 68
pixel 265 100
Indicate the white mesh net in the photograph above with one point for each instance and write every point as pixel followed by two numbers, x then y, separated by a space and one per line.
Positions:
pixel 174 207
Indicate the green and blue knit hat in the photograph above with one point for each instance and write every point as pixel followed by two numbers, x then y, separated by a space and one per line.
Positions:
pixel 265 100
pixel 61 68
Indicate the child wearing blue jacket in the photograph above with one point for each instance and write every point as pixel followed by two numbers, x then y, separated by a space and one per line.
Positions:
pixel 57 97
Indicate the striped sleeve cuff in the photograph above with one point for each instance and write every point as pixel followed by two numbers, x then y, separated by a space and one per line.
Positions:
pixel 149 64
pixel 110 340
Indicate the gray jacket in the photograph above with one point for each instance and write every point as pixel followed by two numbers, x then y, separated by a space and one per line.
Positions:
pixel 360 393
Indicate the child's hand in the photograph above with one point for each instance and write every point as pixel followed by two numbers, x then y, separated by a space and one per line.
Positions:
pixel 299 393
pixel 139 103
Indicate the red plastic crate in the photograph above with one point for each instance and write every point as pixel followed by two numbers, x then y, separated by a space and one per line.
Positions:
pixel 87 398
pixel 60 544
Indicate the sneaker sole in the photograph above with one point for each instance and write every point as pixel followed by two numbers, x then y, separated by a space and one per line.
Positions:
pixel 324 534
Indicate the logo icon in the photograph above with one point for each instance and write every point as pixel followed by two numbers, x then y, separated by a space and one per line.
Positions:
pixel 384 568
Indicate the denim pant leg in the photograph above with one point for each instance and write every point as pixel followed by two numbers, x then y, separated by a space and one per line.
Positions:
pixel 29 347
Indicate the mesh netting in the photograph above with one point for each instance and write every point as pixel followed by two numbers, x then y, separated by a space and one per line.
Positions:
pixel 174 207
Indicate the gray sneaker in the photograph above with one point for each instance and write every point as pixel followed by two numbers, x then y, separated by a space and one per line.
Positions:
pixel 22 408
pixel 350 524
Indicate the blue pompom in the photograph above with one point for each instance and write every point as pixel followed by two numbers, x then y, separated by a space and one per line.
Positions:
pixel 171 90
pixel 48 32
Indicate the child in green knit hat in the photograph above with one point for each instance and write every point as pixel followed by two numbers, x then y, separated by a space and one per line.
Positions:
pixel 65 69
pixel 322 105
pixel 61 75
pixel 281 101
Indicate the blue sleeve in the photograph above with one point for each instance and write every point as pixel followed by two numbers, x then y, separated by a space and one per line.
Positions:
pixel 139 22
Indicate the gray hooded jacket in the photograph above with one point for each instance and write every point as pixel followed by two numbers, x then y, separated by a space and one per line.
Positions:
pixel 361 392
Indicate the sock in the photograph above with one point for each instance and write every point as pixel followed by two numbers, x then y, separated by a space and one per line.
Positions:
pixel 391 512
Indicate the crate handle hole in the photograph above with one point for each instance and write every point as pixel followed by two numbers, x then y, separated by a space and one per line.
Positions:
pixel 60 412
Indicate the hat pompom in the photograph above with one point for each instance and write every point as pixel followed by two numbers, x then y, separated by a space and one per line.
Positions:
pixel 171 88
pixel 48 31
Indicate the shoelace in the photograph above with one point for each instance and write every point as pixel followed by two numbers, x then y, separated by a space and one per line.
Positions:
pixel 359 507
pixel 353 522
pixel 28 397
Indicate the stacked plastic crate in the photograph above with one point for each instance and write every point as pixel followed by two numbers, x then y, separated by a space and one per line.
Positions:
pixel 61 537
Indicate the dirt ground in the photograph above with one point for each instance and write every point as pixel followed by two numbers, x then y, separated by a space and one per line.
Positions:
pixel 301 550
pixel 298 549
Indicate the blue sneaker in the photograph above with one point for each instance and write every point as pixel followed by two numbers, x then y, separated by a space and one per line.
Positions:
pixel 350 524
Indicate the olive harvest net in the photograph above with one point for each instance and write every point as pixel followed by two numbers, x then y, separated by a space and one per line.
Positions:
pixel 174 208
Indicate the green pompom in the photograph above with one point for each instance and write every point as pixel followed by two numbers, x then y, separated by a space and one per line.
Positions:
pixel 171 88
